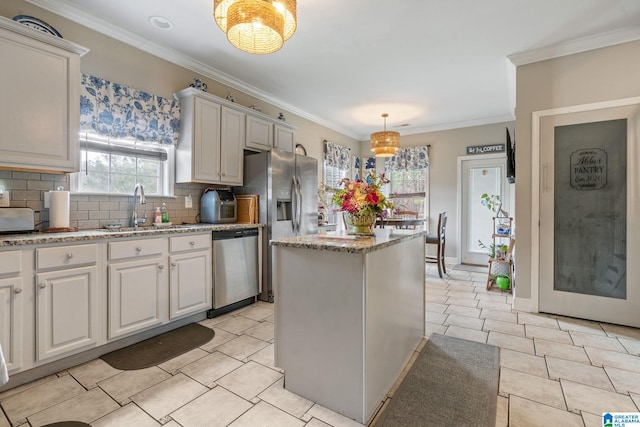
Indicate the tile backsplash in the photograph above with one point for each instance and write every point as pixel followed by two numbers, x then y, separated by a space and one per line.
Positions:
pixel 27 189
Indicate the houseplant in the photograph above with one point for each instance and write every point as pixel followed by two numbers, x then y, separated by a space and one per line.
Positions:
pixel 362 200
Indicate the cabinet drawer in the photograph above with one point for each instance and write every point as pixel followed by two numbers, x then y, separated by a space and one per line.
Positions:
pixel 188 243
pixel 136 248
pixel 10 263
pixel 66 256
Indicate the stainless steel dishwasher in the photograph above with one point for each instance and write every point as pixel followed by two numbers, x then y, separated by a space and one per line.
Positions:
pixel 235 266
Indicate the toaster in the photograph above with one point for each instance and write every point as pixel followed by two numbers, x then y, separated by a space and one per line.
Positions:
pixel 16 220
pixel 218 207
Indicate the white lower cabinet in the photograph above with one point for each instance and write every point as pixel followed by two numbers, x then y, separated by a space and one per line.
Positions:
pixel 11 292
pixel 190 279
pixel 66 311
pixel 138 290
pixel 67 292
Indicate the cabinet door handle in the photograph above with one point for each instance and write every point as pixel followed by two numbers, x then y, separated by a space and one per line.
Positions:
pixel 192 243
pixel 69 256
pixel 161 267
pixel 42 285
pixel 173 264
pixel 18 290
pixel 223 174
pixel 138 249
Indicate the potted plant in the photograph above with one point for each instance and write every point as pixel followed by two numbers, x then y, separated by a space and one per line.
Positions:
pixel 502 280
pixel 501 251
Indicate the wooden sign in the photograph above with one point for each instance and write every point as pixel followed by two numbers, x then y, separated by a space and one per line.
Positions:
pixel 486 149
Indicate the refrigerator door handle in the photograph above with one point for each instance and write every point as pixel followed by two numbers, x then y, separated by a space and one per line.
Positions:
pixel 299 204
pixel 294 204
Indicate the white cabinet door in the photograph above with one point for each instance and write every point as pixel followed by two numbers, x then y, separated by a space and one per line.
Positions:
pixel 190 283
pixel 39 107
pixel 259 134
pixel 206 142
pixel 11 321
pixel 67 315
pixel 137 296
pixel 231 146
pixel 283 138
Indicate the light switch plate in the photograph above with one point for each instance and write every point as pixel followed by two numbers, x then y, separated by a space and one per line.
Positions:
pixel 46 200
pixel 188 201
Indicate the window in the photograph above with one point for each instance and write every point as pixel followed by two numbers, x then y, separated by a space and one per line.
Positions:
pixel 408 171
pixel 127 137
pixel 334 174
pixel 337 165
pixel 115 166
pixel 408 190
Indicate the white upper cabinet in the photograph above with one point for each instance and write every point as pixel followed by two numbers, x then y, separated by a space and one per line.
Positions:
pixel 283 138
pixel 211 141
pixel 259 134
pixel 40 102
pixel 213 134
pixel 232 133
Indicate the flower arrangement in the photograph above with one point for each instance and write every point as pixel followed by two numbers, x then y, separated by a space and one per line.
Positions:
pixel 362 197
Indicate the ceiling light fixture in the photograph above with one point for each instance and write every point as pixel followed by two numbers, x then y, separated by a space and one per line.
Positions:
pixel 385 143
pixel 256 26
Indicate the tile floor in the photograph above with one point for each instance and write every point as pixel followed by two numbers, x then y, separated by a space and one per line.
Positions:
pixel 554 371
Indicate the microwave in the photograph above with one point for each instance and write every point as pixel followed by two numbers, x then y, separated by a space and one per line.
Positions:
pixel 218 207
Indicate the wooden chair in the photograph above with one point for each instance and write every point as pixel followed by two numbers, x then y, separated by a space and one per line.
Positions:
pixel 438 238
pixel 407 215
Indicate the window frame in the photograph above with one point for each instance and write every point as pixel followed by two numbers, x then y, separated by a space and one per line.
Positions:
pixel 166 177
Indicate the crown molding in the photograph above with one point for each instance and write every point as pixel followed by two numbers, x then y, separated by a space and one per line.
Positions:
pixel 458 125
pixel 597 41
pixel 67 11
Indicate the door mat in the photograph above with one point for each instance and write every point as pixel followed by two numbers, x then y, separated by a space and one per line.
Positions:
pixel 453 382
pixel 160 348
pixel 472 268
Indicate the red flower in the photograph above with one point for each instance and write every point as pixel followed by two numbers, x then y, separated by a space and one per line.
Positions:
pixel 372 198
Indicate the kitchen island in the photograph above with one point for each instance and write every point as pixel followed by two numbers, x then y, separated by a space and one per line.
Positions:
pixel 349 314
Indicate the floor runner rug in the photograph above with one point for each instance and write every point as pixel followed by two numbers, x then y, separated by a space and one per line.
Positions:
pixel 160 348
pixel 453 382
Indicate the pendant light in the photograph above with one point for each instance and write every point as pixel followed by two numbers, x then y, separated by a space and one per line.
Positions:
pixel 256 26
pixel 385 143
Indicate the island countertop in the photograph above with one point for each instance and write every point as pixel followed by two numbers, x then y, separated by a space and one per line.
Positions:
pixel 341 242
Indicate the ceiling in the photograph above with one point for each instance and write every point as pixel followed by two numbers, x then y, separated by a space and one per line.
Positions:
pixel 430 64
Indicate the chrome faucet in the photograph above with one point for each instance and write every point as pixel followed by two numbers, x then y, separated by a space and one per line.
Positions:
pixel 134 216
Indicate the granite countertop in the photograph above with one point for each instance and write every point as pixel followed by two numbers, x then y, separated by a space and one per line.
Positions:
pixel 102 233
pixel 340 242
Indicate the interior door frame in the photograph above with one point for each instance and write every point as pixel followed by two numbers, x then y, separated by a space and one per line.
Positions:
pixel 536 118
pixel 460 172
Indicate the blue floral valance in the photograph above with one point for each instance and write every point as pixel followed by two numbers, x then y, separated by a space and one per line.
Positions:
pixel 408 158
pixel 118 111
pixel 337 155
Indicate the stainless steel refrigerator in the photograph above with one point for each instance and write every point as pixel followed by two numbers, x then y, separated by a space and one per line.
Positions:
pixel 287 186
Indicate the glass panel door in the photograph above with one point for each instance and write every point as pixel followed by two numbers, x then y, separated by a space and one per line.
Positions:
pixel 589 214
pixel 479 176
